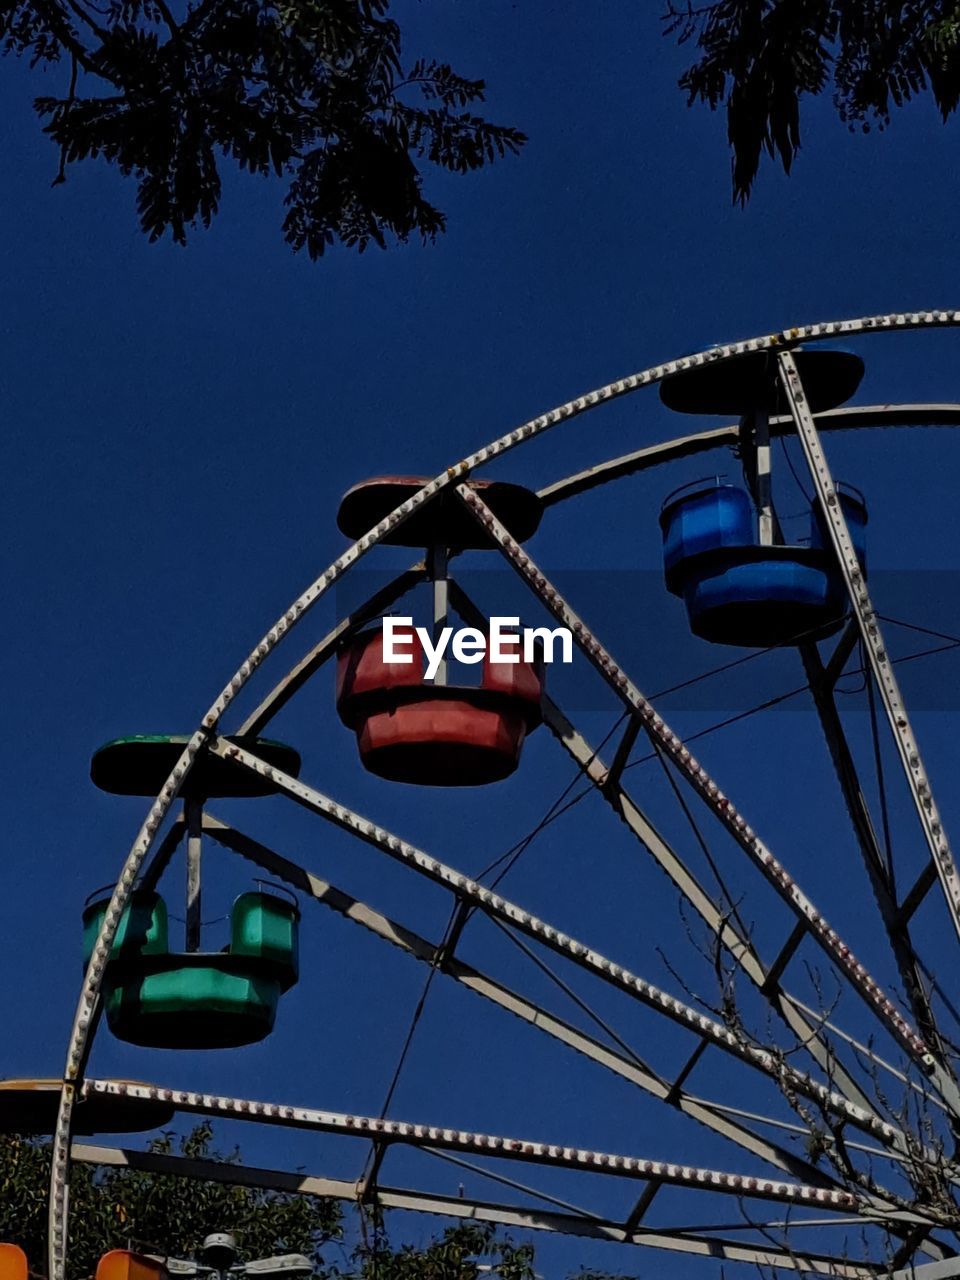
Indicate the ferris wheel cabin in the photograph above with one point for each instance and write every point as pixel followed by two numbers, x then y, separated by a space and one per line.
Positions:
pixel 192 999
pixel 438 732
pixel 724 553
pixel 196 1000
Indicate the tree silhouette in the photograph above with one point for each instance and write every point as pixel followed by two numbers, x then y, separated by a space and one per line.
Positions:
pixel 312 90
pixel 759 58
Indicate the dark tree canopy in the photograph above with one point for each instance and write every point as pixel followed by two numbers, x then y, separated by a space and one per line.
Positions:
pixel 312 90
pixel 759 58
pixel 121 1208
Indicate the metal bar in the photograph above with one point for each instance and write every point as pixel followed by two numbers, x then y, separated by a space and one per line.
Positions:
pixel 367 1182
pixel 683 1075
pixel 193 811
pixel 833 669
pixel 628 1068
pixel 871 854
pixel 213 1171
pixel 622 753
pixel 775 873
pixel 437 571
pixel 554 939
pixel 947 1269
pixel 921 887
pixel 513 1183
pixel 847 418
pixel 717 1248
pixel 785 955
pixel 161 858
pixel 297 676
pixel 525 1218
pixel 646 1199
pixel 877 656
pixel 872 1054
pixel 389 1132
pixel 764 482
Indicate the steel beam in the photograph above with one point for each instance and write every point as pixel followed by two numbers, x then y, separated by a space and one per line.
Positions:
pixel 519 1218
pixel 880 665
pixel 846 418
pixel 499 1147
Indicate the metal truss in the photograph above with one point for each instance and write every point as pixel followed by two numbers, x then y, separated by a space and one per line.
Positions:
pixel 698 1244
pixel 846 418
pixel 722 806
pixel 475 896
pixel 713 1115
pixel 875 648
pixel 397 1132
pixel 629 1067
pixel 838 1096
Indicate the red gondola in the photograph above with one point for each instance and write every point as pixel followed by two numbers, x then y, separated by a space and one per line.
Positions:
pixel 409 730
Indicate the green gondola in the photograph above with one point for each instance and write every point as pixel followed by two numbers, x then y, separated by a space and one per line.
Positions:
pixel 196 1000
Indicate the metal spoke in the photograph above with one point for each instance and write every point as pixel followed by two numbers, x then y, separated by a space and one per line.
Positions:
pixel 308 666
pixel 907 747
pixel 397 1132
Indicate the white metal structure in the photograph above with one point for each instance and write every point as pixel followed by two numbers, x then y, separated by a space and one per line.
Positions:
pixel 871 1167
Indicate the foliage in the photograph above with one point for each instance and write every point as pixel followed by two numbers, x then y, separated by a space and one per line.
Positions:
pixel 457 1255
pixel 117 1208
pixel 313 90
pixel 759 58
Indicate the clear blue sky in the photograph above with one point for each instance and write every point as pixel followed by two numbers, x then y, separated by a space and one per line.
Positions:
pixel 178 426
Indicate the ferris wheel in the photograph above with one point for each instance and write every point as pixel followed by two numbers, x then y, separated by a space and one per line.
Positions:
pixel 837 1159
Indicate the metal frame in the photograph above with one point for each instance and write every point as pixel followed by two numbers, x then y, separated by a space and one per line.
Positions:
pixel 523 1218
pixel 836 1095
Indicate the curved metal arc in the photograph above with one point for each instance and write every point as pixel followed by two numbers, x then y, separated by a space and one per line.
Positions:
pixel 847 418
pixel 707 789
pixel 84 1017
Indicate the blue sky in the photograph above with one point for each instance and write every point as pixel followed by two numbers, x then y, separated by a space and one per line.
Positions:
pixel 179 426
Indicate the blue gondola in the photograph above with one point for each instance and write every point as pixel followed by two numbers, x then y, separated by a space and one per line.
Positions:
pixel 738 592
